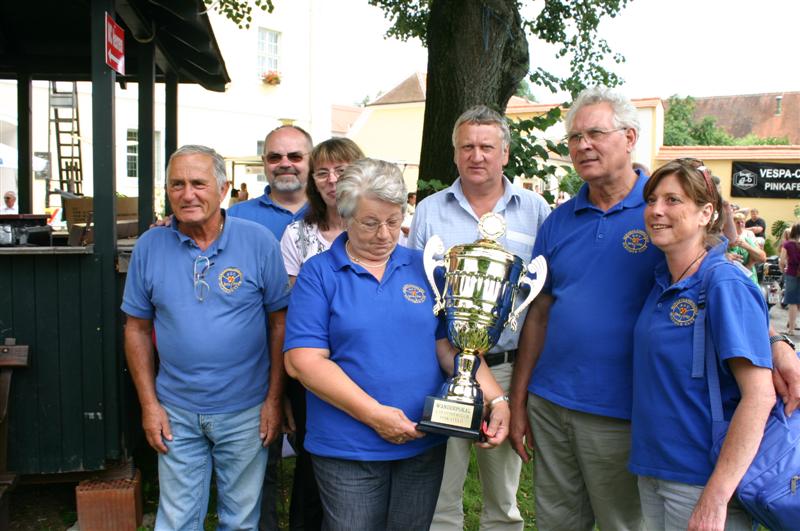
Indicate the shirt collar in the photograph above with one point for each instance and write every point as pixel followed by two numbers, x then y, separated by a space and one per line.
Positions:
pixel 715 254
pixel 635 197
pixel 216 246
pixel 510 193
pixel 400 256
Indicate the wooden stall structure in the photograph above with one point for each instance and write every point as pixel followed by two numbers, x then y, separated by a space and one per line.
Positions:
pixel 69 409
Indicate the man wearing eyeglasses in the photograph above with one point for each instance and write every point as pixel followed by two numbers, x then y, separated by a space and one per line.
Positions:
pixel 481 140
pixel 571 390
pixel 286 158
pixel 215 290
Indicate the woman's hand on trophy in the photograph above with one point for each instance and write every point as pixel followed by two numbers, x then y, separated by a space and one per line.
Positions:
pixel 497 429
pixel 393 425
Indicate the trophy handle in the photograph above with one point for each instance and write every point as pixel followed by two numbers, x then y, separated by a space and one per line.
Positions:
pixel 537 267
pixel 434 248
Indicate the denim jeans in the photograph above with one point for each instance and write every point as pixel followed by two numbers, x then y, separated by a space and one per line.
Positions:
pixel 229 445
pixel 380 495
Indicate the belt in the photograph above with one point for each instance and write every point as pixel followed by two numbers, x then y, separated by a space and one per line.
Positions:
pixel 496 358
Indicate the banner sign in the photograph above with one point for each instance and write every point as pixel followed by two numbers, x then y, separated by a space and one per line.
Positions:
pixel 115 45
pixel 765 179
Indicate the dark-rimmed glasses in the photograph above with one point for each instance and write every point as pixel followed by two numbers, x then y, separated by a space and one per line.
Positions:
pixel 592 135
pixel 201 266
pixel 371 225
pixel 294 156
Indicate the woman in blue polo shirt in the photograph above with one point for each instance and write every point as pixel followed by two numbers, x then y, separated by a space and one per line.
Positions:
pixel 679 485
pixel 362 338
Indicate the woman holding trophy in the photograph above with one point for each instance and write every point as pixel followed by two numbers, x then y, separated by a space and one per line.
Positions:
pixel 361 336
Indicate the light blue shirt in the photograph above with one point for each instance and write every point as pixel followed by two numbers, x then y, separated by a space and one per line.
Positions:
pixel 214 353
pixel 264 211
pixel 449 215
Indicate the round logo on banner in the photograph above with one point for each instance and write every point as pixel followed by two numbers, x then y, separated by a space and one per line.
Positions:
pixel 683 311
pixel 414 293
pixel 230 279
pixel 635 241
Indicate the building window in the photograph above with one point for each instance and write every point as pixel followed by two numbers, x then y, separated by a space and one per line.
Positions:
pixel 268 42
pixel 132 155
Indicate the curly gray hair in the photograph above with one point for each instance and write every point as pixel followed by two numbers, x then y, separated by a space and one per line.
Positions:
pixel 376 179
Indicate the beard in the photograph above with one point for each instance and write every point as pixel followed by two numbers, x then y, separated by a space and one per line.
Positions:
pixel 287 186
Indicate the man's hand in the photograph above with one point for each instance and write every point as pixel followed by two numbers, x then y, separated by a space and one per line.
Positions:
pixel 289 425
pixel 497 431
pixel 271 420
pixel 786 375
pixel 156 427
pixel 162 222
pixel 521 434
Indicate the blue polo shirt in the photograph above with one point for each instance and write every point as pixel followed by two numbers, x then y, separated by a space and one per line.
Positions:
pixel 382 335
pixel 214 355
pixel 267 213
pixel 600 270
pixel 449 215
pixel 671 428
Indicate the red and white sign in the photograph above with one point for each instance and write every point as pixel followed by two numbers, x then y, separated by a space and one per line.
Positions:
pixel 115 45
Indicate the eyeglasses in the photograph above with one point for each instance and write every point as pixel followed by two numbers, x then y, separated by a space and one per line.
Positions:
pixel 294 156
pixel 201 266
pixel 371 225
pixel 324 175
pixel 700 166
pixel 591 136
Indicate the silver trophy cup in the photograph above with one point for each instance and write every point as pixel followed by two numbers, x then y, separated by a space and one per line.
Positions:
pixel 482 281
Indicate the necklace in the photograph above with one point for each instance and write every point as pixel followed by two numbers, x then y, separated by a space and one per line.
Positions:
pixel 360 262
pixel 699 256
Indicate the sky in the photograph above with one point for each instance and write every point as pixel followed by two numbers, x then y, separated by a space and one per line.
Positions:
pixel 684 47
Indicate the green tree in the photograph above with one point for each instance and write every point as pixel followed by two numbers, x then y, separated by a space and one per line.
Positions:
pixel 681 129
pixel 478 53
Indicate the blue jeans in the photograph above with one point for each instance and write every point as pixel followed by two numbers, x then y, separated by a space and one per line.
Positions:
pixel 226 443
pixel 380 495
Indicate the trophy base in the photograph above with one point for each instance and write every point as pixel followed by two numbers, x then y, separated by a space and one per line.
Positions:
pixel 451 418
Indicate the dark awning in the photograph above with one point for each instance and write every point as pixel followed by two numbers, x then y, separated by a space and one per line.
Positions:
pixel 50 39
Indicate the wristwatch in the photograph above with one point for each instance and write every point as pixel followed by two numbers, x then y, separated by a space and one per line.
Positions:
pixel 782 337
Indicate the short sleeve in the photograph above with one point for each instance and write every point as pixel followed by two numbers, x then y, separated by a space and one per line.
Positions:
pixel 136 298
pixel 309 311
pixel 738 317
pixel 275 280
pixel 291 254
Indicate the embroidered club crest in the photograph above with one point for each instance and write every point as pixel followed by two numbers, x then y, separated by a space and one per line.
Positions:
pixel 414 293
pixel 635 241
pixel 683 312
pixel 230 279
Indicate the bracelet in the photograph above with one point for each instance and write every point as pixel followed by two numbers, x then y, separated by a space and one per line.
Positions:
pixel 496 400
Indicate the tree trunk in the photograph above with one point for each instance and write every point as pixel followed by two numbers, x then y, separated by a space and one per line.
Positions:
pixel 477 53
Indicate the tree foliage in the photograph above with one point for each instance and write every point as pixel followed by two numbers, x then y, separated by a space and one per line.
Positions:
pixel 682 129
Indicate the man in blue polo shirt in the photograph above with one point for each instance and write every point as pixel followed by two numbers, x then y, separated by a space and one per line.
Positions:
pixel 481 140
pixel 574 370
pixel 215 290
pixel 286 157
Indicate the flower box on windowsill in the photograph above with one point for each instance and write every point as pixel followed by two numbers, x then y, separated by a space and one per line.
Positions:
pixel 271 78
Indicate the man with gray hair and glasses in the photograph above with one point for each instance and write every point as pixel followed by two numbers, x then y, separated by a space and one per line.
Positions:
pixel 571 390
pixel 215 291
pixel 481 140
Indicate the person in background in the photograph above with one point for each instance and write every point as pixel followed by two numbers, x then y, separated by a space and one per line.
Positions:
pixel 303 239
pixel 679 485
pixel 214 290
pixel 286 165
pixel 244 195
pixel 9 203
pixel 367 389
pixel 789 262
pixel 756 224
pixel 744 248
